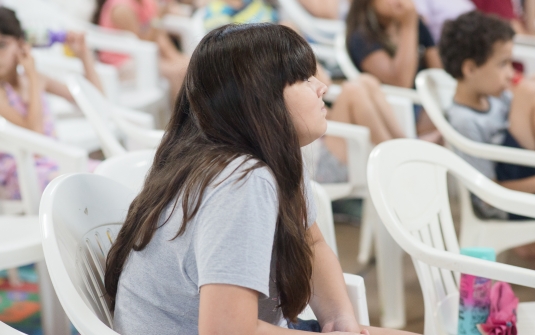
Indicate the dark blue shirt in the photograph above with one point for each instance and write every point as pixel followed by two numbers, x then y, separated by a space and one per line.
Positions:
pixel 360 46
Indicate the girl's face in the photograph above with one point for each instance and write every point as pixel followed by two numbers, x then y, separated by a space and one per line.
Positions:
pixel 304 100
pixel 9 49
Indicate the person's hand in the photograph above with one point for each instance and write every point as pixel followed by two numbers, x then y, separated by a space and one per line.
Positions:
pixel 76 42
pixel 25 58
pixel 405 11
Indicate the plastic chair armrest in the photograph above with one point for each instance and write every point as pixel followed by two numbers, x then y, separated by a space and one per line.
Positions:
pixel 358 148
pixel 402 92
pixel 464 264
pixel 69 158
pixel 356 291
pixel 144 54
pixel 493 152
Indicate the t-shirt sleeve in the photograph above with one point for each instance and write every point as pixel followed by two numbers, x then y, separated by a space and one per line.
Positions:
pixel 360 47
pixel 473 132
pixel 424 35
pixel 234 237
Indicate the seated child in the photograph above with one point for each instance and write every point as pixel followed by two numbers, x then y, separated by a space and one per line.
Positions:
pixel 476 49
pixel 22 100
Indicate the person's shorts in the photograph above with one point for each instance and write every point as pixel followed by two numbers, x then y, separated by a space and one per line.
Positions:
pixel 506 171
pixel 305 325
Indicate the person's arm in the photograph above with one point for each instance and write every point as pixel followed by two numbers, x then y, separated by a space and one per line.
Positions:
pixel 76 42
pixel 400 69
pixel 330 301
pixel 529 16
pixel 432 58
pixel 34 118
pixel 230 309
pixel 326 9
pixel 523 185
pixel 124 18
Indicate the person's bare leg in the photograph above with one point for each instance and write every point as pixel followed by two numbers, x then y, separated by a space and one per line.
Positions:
pixel 354 106
pixel 378 98
pixel 522 114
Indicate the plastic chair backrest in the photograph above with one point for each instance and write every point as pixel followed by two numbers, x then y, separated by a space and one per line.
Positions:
pixel 23 145
pixel 7 330
pixel 319 30
pixel 407 181
pixel 324 218
pixel 97 110
pixel 80 216
pixel 137 126
pixel 433 86
pixel 358 149
pixel 342 56
pixel 129 169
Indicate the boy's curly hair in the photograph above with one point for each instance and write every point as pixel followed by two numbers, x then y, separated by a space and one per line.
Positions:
pixel 471 36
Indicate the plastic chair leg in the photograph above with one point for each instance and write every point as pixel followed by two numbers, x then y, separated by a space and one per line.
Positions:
pixel 53 318
pixel 369 218
pixel 390 279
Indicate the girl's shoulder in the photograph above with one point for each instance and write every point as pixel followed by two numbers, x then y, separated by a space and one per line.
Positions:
pixel 246 169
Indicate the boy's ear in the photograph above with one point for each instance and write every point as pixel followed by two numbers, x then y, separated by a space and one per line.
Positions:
pixel 468 67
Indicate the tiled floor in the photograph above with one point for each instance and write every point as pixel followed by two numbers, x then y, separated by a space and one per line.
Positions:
pixel 347 238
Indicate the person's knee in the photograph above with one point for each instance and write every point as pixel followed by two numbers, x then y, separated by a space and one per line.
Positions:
pixel 370 81
pixel 353 88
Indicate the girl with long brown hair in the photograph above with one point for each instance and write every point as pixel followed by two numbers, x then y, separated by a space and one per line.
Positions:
pixel 222 239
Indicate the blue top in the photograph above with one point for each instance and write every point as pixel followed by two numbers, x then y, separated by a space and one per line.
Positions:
pixel 361 46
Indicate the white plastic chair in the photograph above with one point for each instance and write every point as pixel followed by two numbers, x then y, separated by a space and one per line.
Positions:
pixel 101 113
pixel 76 239
pixel 389 261
pixel 129 169
pixel 436 89
pixel 7 330
pixel 71 127
pixel 407 180
pixel 20 240
pixel 191 30
pixel 147 94
pixel 320 31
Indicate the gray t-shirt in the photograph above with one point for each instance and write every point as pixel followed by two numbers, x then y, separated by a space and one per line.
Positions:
pixel 485 127
pixel 482 126
pixel 229 241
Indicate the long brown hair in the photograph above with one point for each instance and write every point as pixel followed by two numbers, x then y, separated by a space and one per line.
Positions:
pixel 362 18
pixel 231 104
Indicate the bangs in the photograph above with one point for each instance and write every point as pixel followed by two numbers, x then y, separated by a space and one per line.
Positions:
pixel 298 59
